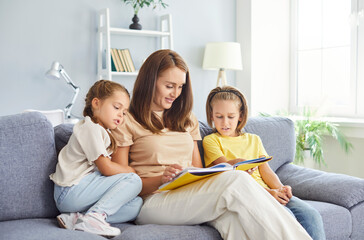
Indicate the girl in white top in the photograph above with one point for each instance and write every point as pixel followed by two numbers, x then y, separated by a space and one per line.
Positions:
pixel 87 180
pixel 160 136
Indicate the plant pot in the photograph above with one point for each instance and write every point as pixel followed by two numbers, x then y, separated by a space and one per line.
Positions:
pixel 308 161
pixel 135 25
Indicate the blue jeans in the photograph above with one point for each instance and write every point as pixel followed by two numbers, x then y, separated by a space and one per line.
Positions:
pixel 308 217
pixel 116 196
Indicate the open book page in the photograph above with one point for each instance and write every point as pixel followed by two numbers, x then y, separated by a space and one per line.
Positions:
pixel 193 174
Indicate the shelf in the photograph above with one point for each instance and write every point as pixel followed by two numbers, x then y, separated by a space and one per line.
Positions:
pixel 165 36
pixel 124 73
pixel 145 33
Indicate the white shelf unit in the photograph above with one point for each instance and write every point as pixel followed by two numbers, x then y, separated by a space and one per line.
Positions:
pixel 105 33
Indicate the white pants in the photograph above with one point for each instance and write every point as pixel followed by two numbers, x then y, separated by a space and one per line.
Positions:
pixel 232 202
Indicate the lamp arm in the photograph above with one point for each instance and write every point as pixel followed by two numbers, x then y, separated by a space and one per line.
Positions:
pixel 76 90
pixel 68 108
pixel 68 79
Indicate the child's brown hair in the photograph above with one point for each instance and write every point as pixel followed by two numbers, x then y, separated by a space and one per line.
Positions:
pixel 102 89
pixel 228 93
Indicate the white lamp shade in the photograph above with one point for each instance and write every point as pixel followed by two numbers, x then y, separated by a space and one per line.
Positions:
pixel 222 55
pixel 54 73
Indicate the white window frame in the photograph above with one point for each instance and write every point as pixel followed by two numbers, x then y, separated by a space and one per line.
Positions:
pixel 357 59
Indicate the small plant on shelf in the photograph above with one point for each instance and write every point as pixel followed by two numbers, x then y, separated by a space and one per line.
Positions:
pixel 139 4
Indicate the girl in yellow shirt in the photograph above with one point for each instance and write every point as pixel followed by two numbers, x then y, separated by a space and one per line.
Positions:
pixel 227 112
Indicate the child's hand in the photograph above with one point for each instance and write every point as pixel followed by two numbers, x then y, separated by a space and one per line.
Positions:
pixel 281 197
pixel 170 172
pixel 250 171
pixel 287 190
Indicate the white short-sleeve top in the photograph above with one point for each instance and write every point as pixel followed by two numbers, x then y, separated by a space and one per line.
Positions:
pixel 151 153
pixel 87 143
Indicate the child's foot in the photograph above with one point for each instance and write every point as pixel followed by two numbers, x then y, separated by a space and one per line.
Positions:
pixel 95 223
pixel 68 220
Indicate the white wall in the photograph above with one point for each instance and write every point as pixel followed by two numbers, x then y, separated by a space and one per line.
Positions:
pixel 340 162
pixel 35 33
pixel 263 30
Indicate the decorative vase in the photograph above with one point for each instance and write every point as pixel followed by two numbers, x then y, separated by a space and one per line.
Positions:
pixel 135 25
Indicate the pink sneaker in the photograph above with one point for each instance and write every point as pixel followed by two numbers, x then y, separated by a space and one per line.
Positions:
pixel 95 223
pixel 68 220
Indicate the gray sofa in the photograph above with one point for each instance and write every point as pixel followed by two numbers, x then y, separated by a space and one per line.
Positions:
pixel 28 154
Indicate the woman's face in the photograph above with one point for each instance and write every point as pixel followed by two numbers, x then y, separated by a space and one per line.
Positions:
pixel 168 88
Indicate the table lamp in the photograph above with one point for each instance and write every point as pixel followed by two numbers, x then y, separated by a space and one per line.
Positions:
pixel 221 56
pixel 55 73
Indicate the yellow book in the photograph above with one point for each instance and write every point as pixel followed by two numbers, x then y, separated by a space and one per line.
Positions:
pixel 190 175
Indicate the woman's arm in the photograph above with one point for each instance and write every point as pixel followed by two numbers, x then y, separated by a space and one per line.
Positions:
pixel 151 184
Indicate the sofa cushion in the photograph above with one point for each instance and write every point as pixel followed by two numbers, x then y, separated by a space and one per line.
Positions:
pixel 278 137
pixel 27 157
pixel 337 220
pixel 41 229
pixel 62 134
pixel 167 232
pixel 357 213
pixel 311 184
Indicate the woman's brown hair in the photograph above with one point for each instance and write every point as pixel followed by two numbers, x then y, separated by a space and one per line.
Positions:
pixel 227 93
pixel 176 118
pixel 102 89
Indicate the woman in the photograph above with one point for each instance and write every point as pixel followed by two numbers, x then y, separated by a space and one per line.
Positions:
pixel 160 136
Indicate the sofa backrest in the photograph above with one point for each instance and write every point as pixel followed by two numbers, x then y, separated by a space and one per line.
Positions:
pixel 277 134
pixel 27 157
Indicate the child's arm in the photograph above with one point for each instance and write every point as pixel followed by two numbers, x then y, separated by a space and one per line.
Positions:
pixel 223 159
pixel 118 163
pixel 277 189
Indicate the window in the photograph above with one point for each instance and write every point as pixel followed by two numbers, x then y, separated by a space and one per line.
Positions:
pixel 325 56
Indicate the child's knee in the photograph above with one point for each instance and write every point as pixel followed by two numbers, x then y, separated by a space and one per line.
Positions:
pixel 132 178
pixel 136 204
pixel 137 181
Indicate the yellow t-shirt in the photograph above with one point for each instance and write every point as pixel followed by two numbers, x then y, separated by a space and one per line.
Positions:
pixel 246 146
pixel 150 153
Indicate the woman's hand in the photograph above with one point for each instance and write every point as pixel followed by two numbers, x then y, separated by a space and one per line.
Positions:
pixel 170 172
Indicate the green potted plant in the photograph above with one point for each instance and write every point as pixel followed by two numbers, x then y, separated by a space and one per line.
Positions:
pixel 139 4
pixel 309 133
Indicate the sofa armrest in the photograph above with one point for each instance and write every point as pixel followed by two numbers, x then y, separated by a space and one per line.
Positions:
pixel 310 184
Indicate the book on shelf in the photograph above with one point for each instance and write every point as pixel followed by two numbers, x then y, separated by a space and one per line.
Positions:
pixel 123 60
pixel 113 66
pixel 192 174
pixel 115 55
pixel 129 60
